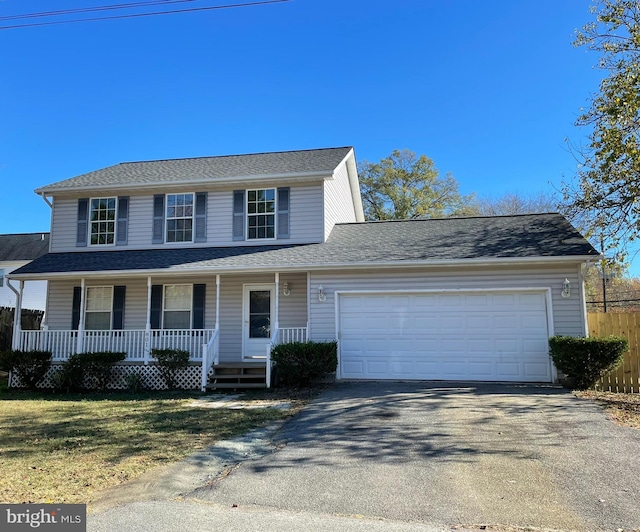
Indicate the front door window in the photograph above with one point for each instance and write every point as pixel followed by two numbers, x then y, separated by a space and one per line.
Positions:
pixel 259 314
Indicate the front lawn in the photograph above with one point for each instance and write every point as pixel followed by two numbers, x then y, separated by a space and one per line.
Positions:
pixel 624 408
pixel 65 448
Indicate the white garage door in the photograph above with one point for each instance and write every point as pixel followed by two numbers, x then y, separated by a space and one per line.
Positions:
pixel 480 336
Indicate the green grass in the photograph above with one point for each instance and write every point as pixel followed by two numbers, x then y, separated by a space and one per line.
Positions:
pixel 65 448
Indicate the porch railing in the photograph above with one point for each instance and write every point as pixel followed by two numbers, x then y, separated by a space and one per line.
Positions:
pixel 64 343
pixel 288 335
pixel 210 356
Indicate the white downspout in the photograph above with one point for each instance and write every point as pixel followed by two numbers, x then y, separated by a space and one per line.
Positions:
pixel 147 328
pixel 80 341
pixel 17 317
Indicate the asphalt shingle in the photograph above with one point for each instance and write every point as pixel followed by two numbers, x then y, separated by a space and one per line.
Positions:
pixel 207 169
pixel 23 246
pixel 365 244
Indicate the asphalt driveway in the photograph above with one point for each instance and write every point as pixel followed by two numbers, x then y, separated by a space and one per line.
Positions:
pixel 443 455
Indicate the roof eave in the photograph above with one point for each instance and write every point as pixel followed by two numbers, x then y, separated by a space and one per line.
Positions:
pixel 232 180
pixel 388 265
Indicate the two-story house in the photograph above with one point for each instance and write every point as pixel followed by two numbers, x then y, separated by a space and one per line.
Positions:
pixel 226 256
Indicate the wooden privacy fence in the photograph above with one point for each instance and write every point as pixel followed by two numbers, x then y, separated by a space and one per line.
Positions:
pixel 627 377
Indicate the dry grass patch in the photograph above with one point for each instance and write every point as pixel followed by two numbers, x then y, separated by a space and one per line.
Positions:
pixel 624 408
pixel 63 449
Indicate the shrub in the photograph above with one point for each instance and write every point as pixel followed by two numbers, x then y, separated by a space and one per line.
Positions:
pixel 585 360
pixel 134 382
pixel 70 377
pixel 98 367
pixel 170 361
pixel 29 366
pixel 300 363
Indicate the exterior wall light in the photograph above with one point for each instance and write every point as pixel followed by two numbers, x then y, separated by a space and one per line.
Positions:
pixel 285 289
pixel 566 288
pixel 321 295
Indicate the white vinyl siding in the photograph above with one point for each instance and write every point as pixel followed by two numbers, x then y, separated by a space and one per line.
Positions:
pixel 306 221
pixel 567 313
pixel 338 202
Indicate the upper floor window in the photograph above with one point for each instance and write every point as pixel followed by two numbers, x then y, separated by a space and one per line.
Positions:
pixel 177 306
pixel 261 209
pixel 102 221
pixel 98 306
pixel 179 217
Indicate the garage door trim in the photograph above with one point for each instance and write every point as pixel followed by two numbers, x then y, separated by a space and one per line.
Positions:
pixel 540 290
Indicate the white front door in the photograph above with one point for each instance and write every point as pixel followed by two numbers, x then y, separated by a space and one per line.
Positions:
pixel 258 308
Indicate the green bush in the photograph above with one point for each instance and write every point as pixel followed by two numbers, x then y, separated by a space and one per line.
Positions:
pixel 134 382
pixel 170 362
pixel 29 366
pixel 70 377
pixel 585 360
pixel 98 367
pixel 300 363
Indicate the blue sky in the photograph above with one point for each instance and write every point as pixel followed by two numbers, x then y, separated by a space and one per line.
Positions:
pixel 489 90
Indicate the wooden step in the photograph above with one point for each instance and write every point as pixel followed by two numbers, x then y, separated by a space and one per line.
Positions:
pixel 231 386
pixel 238 375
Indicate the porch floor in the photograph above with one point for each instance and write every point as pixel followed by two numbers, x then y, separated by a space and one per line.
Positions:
pixel 238 376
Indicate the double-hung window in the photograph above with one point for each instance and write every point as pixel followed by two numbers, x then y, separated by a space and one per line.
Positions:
pixel 180 217
pixel 261 217
pixel 102 221
pixel 177 299
pixel 98 308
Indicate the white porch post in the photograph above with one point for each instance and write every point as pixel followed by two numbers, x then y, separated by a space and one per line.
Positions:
pixel 308 307
pixel 80 340
pixel 17 317
pixel 147 329
pixel 217 301
pixel 277 305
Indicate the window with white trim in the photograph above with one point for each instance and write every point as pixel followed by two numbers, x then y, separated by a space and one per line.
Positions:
pixel 98 307
pixel 180 217
pixel 261 218
pixel 177 301
pixel 102 221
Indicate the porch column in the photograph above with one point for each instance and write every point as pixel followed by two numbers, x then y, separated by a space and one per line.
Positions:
pixel 217 302
pixel 80 339
pixel 277 305
pixel 17 316
pixel 147 329
pixel 308 307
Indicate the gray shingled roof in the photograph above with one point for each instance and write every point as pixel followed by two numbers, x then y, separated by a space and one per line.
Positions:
pixel 207 169
pixel 24 246
pixel 365 244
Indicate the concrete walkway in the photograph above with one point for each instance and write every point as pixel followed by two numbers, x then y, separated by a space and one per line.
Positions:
pixel 419 457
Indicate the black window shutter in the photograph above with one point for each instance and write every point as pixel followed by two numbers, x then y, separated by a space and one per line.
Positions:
pixel 123 221
pixel 201 217
pixel 156 306
pixel 199 291
pixel 158 219
pixel 238 214
pixel 83 222
pixel 283 212
pixel 75 312
pixel 118 306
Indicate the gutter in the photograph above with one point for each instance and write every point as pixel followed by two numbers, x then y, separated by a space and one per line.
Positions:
pixel 396 265
pixel 297 177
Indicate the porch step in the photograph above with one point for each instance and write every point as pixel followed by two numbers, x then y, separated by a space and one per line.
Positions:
pixel 238 375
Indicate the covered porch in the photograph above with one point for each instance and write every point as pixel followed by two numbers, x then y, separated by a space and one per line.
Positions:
pixel 219 319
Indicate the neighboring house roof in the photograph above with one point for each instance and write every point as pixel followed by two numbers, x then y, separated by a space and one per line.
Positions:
pixel 369 244
pixel 206 169
pixel 23 246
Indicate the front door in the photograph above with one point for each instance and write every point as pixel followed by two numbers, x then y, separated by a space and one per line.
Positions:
pixel 257 311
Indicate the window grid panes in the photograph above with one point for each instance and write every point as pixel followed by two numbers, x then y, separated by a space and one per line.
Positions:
pixel 179 217
pixel 177 306
pixel 103 221
pixel 261 208
pixel 98 305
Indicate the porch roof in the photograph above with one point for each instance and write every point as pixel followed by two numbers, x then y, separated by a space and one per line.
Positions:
pixel 443 242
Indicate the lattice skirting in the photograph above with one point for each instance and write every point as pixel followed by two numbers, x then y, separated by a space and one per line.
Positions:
pixel 187 379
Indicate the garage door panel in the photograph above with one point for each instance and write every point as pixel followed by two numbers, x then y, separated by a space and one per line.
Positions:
pixel 479 336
